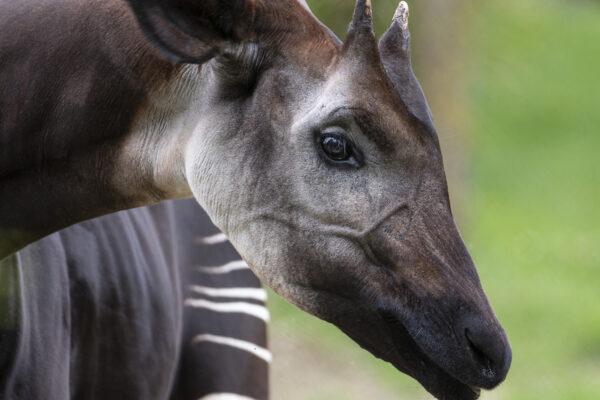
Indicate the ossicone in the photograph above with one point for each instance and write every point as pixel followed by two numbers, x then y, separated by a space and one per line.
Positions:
pixel 360 39
pixel 394 49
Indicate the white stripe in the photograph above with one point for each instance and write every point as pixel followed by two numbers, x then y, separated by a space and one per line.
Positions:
pixel 248 293
pixel 234 307
pixel 237 343
pixel 224 269
pixel 225 396
pixel 213 239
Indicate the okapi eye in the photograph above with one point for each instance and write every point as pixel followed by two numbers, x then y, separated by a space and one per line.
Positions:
pixel 336 147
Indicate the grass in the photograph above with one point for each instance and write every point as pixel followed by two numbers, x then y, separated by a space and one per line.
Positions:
pixel 532 222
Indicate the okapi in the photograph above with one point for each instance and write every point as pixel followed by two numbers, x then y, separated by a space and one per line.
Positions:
pixel 319 161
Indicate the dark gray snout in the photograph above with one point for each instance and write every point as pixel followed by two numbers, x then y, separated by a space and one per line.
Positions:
pixel 489 350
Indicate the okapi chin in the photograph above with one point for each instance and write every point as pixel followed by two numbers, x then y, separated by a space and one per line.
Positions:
pixel 318 159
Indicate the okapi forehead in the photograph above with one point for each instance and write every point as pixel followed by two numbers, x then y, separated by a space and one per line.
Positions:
pixel 367 101
pixel 375 78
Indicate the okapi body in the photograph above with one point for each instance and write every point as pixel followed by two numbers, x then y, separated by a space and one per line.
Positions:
pixel 319 161
pixel 117 308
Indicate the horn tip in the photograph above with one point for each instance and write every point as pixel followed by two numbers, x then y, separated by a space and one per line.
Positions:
pixel 401 15
pixel 362 12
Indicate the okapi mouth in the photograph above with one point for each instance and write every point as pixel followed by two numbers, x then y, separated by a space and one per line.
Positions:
pixel 394 343
pixel 408 357
pixel 382 333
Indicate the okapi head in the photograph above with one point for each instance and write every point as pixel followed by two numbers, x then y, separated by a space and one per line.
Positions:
pixel 320 162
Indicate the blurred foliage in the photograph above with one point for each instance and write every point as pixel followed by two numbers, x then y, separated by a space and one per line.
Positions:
pixel 534 221
pixel 530 91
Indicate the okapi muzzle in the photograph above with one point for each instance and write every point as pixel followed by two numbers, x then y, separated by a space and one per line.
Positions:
pixel 433 299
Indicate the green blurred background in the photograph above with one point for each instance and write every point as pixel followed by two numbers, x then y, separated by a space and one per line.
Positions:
pixel 514 87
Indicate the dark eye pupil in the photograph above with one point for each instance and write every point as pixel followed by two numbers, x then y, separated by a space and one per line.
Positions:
pixel 336 148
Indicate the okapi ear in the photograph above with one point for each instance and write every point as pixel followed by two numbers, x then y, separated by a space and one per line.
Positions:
pixel 394 48
pixel 238 69
pixel 194 31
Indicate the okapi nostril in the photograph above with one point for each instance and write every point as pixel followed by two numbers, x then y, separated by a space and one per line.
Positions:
pixel 482 359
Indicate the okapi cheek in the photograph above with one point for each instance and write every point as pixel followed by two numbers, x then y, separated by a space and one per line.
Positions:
pixel 396 246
